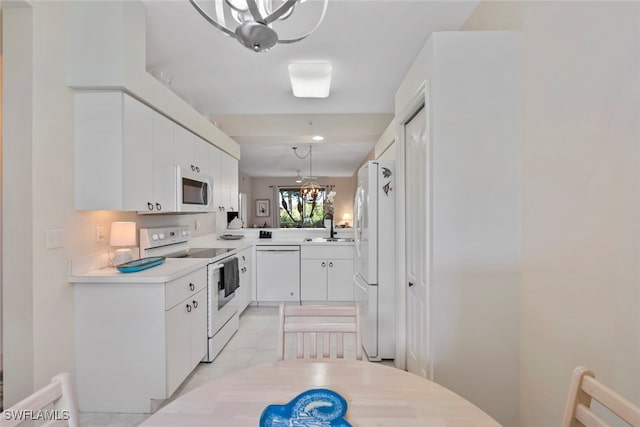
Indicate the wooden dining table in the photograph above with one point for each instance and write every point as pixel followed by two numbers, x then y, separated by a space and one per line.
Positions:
pixel 376 395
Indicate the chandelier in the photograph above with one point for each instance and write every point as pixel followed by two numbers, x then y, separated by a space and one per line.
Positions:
pixel 253 20
pixel 309 190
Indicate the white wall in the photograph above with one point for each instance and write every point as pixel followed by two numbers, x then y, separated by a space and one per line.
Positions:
pixel 38 323
pixel 580 98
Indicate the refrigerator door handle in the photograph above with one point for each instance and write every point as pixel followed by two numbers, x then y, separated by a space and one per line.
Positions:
pixel 360 283
pixel 357 223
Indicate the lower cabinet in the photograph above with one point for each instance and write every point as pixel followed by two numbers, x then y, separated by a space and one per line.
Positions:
pixel 327 273
pixel 186 332
pixel 136 341
pixel 245 266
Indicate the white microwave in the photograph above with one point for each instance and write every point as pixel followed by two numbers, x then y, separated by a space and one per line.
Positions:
pixel 194 191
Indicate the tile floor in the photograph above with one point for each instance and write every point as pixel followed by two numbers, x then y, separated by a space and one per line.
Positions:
pixel 254 343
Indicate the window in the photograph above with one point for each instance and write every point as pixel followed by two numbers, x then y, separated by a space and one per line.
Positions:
pixel 298 212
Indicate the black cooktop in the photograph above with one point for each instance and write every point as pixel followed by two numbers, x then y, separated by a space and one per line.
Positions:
pixel 201 253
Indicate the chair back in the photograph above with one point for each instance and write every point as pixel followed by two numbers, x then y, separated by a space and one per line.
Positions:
pixel 319 323
pixel 55 404
pixel 584 388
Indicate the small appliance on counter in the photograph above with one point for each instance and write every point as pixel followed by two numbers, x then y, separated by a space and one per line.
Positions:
pixel 265 234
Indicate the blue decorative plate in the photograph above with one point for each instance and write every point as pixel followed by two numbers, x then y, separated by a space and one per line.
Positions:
pixel 140 264
pixel 312 408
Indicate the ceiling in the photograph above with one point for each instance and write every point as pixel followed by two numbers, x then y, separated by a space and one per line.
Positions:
pixel 370 43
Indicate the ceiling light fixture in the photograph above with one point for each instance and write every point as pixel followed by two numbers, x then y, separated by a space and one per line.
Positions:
pixel 255 19
pixel 309 190
pixel 299 178
pixel 318 138
pixel 310 80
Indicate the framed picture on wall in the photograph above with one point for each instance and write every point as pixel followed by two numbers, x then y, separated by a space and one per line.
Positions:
pixel 262 207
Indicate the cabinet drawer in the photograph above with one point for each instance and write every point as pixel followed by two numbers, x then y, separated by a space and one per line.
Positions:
pixel 185 286
pixel 327 251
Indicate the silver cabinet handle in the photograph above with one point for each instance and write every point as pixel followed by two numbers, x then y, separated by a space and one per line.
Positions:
pixel 324 264
pixel 330 264
pixel 188 308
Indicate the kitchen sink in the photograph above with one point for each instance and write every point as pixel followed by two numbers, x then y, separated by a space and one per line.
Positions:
pixel 328 239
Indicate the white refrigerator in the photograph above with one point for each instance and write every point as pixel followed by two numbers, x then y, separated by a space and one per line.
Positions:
pixel 374 225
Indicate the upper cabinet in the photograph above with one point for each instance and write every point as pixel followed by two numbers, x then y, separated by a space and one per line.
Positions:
pixel 123 155
pixel 126 156
pixel 225 181
pixel 192 152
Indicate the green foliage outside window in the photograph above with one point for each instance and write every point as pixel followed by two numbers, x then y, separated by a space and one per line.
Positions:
pixel 298 212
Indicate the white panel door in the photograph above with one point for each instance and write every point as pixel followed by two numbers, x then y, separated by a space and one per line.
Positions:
pixel 417 242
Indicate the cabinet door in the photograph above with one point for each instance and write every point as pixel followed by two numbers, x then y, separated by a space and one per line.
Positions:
pixel 202 156
pixel 183 148
pixel 243 295
pixel 177 323
pixel 137 162
pixel 229 179
pixel 198 326
pixel 164 180
pixel 218 184
pixel 313 281
pixel 233 184
pixel 340 280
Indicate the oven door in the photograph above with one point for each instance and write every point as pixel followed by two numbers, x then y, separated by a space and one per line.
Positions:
pixel 194 191
pixel 221 308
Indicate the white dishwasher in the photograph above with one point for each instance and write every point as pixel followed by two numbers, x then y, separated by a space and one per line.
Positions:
pixel 278 273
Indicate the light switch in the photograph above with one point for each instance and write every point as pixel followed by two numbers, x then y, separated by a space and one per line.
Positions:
pixel 54 239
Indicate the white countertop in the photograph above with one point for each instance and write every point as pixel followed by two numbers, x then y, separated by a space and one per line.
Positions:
pixel 171 269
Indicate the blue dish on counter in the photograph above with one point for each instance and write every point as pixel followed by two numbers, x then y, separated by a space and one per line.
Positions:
pixel 316 407
pixel 140 264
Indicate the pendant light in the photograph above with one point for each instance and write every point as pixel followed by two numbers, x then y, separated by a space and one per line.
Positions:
pixel 310 189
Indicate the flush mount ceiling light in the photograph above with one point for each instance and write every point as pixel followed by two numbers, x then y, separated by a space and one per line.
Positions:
pixel 310 80
pixel 318 138
pixel 253 20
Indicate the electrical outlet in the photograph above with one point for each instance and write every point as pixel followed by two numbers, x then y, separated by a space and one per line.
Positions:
pixel 99 233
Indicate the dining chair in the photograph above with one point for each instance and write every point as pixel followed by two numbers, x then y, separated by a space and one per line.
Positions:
pixel 55 404
pixel 319 323
pixel 584 387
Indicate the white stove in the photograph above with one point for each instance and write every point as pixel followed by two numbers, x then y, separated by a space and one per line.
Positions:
pixel 222 311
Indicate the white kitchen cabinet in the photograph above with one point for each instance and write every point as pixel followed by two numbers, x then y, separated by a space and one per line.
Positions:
pixel 163 180
pixel 121 157
pixel 138 340
pixel 227 178
pixel 277 273
pixel 326 273
pixel 245 265
pixel 192 152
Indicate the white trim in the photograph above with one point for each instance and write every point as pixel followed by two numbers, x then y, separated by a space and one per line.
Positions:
pixel 417 101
